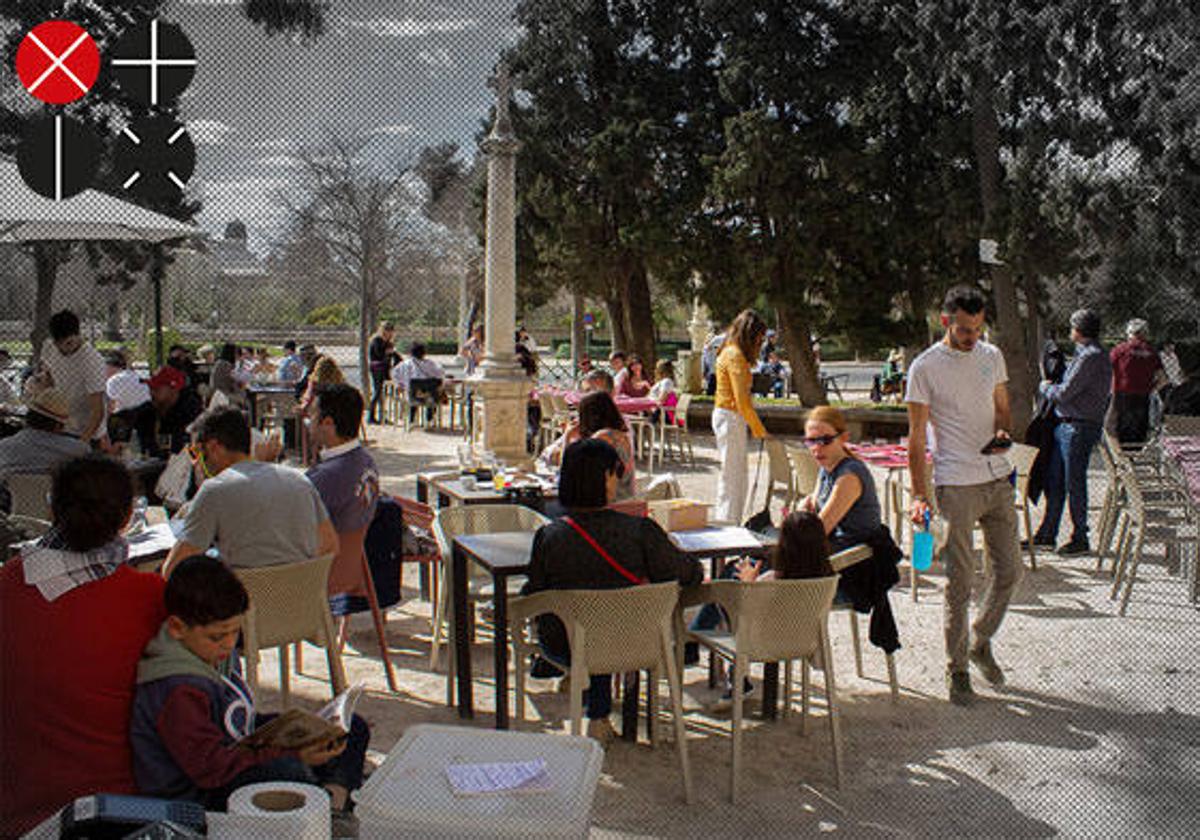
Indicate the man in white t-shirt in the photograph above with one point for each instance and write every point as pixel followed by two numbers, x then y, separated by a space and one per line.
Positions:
pixel 959 385
pixel 125 389
pixel 77 370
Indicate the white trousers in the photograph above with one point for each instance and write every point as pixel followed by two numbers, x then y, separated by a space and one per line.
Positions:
pixel 732 432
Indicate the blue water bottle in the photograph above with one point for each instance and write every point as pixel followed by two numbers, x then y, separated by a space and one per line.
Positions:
pixel 922 547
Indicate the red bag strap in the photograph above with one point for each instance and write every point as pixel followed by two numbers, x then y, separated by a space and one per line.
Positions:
pixel 625 573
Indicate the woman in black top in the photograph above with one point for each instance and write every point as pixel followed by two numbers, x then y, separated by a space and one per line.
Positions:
pixel 562 558
pixel 378 352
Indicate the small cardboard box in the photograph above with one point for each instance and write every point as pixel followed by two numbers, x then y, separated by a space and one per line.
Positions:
pixel 679 514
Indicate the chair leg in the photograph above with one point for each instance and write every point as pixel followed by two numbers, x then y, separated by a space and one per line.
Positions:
pixel 337 674
pixel 892 679
pixel 805 688
pixel 285 693
pixel 739 672
pixel 577 680
pixel 858 662
pixel 518 657
pixel 831 702
pixel 298 651
pixel 652 731
pixel 787 689
pixel 343 632
pixel 1137 559
pixel 675 688
pixel 1029 535
pixel 1121 558
pixel 380 629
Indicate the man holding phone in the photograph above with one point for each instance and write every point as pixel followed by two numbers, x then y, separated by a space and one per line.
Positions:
pixel 959 385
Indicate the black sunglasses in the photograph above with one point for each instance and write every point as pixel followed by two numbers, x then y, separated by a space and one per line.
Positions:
pixel 821 440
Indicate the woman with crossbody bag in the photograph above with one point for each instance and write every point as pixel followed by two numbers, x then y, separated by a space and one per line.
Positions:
pixel 593 547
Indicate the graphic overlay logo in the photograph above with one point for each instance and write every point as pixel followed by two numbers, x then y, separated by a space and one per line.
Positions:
pixel 58 62
pixel 155 157
pixel 154 63
pixel 58 157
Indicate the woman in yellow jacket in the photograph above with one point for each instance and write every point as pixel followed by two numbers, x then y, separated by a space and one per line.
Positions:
pixel 734 413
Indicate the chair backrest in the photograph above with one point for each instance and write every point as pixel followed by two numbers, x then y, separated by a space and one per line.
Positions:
pixel 847 557
pixel 621 627
pixel 805 470
pixel 1022 458
pixel 464 520
pixel 681 411
pixel 547 405
pixel 1180 425
pixel 657 487
pixel 288 602
pixel 30 494
pixel 346 573
pixel 416 514
pixel 778 619
pixel 781 469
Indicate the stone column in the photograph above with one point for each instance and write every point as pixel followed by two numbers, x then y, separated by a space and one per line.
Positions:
pixel 500 382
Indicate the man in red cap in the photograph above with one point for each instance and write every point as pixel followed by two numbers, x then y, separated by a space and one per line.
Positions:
pixel 175 406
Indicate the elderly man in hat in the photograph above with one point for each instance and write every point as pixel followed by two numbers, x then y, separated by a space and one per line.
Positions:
pixel 1137 372
pixel 1080 402
pixel 42 444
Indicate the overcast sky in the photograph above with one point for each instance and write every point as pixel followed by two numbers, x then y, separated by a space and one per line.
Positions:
pixel 399 74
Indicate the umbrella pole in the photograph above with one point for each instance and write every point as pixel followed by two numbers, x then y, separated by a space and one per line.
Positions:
pixel 156 274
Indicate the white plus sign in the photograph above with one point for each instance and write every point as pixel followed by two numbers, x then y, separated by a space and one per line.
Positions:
pixel 154 62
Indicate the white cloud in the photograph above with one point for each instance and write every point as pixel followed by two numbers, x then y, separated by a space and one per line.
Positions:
pixel 411 27
pixel 280 162
pixel 436 58
pixel 393 130
pixel 208 132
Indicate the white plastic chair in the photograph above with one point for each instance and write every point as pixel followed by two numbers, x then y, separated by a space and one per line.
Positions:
pixel 611 631
pixel 773 621
pixel 678 430
pixel 841 561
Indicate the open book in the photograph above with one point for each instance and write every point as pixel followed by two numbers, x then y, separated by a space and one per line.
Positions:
pixel 298 728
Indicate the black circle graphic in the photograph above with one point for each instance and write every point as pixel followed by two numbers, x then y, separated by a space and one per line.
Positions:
pixel 154 63
pixel 154 158
pixel 58 157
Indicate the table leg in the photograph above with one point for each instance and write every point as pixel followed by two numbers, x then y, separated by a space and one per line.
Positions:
pixel 500 646
pixel 252 402
pixel 629 705
pixel 462 644
pixel 770 695
pixel 422 490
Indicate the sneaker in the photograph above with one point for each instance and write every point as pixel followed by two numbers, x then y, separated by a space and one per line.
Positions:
pixel 541 668
pixel 691 653
pixel 564 685
pixel 959 684
pixel 725 702
pixel 601 729
pixel 1074 548
pixel 1042 542
pixel 981 657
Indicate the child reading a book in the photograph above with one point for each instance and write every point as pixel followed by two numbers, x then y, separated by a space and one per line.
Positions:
pixel 192 707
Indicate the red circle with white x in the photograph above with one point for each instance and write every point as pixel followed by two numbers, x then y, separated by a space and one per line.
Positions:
pixel 58 62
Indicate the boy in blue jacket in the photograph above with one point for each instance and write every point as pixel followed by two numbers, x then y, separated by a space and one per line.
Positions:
pixel 192 705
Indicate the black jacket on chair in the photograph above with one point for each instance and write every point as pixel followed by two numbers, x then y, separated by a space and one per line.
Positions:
pixel 866 584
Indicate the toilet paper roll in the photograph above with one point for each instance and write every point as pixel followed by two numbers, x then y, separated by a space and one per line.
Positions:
pixel 273 811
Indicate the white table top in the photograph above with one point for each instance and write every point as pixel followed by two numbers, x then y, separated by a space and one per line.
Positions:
pixel 716 540
pixel 410 791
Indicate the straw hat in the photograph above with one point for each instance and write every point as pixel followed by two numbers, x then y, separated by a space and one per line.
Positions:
pixel 52 403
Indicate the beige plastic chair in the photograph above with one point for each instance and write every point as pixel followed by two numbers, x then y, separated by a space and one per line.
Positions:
pixel 644 436
pixel 840 562
pixel 30 525
pixel 780 472
pixel 1022 458
pixel 30 494
pixel 289 603
pixel 611 631
pixel 463 520
pixel 1180 425
pixel 773 621
pixel 657 487
pixel 805 472
pixel 677 430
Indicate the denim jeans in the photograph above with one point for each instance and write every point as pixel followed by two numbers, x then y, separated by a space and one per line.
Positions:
pixel 597 699
pixel 1066 478
pixel 346 769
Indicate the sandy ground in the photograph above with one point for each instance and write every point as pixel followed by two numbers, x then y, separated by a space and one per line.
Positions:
pixel 1097 733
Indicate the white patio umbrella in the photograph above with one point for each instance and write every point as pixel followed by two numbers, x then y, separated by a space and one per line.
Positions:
pixel 26 216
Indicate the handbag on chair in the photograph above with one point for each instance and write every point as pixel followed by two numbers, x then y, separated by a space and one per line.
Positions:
pixel 760 522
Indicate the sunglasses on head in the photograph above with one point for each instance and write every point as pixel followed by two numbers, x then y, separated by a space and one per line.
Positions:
pixel 820 440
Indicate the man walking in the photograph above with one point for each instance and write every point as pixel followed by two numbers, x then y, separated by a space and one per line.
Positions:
pixel 1136 373
pixel 960 386
pixel 1080 402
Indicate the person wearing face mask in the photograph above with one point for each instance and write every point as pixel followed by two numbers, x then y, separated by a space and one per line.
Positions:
pixel 77 370
pixel 257 513
pixel 959 386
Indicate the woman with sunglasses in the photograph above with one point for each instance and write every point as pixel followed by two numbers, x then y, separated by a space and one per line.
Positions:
pixel 845 497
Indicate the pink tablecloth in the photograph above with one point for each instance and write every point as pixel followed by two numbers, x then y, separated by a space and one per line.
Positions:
pixel 1185 452
pixel 627 405
pixel 888 456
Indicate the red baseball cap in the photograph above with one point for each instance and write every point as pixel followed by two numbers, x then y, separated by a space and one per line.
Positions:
pixel 168 377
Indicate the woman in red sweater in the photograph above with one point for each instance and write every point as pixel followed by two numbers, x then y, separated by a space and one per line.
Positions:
pixel 74 619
